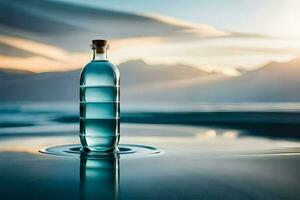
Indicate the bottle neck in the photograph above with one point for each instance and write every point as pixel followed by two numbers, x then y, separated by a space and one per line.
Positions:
pixel 99 56
pixel 99 52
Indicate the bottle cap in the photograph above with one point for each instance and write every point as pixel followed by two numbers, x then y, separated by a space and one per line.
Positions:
pixel 100 43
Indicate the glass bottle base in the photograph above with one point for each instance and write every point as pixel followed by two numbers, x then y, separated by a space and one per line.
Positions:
pixel 99 144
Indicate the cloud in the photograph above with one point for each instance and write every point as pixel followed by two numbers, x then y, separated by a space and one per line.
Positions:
pixel 46 57
pixel 72 26
pixel 56 36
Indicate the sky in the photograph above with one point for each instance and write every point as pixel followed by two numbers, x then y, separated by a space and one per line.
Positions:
pixel 267 17
pixel 225 35
pixel 274 21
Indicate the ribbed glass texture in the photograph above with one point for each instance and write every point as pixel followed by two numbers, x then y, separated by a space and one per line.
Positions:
pixel 99 106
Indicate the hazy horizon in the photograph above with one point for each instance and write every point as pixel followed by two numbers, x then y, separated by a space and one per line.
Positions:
pixel 194 51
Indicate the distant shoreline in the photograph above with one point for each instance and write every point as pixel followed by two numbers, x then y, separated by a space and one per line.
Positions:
pixel 266 124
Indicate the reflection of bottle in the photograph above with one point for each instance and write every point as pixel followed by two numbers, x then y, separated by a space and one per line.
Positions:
pixel 99 178
pixel 99 102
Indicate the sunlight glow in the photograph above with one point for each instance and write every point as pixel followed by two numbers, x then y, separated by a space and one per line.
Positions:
pixel 201 29
pixel 286 21
pixel 222 55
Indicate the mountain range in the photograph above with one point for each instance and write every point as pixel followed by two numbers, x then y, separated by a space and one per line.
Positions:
pixel 274 82
pixel 142 82
pixel 63 86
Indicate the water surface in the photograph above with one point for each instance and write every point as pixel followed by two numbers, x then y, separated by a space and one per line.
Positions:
pixel 197 161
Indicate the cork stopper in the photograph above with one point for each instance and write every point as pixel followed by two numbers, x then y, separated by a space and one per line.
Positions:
pixel 99 45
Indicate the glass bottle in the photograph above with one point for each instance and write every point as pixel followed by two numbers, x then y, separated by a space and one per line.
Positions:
pixel 99 102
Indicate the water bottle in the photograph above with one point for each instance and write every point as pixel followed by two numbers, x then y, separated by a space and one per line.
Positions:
pixel 99 102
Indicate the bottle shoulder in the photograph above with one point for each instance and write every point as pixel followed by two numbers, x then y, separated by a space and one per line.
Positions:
pixel 98 72
pixel 99 66
pixel 98 63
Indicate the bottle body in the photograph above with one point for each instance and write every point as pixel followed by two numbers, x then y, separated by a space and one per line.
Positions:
pixel 99 106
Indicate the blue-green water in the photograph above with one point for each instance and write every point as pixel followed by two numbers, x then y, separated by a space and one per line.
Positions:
pixel 215 152
pixel 99 106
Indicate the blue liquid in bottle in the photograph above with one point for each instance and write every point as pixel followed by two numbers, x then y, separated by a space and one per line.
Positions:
pixel 99 102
